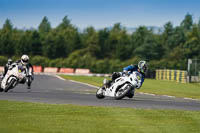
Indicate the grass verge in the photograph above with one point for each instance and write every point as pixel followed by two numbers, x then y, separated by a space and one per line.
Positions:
pixel 158 87
pixel 21 117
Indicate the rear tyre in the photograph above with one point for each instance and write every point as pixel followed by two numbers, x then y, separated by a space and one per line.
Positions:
pixel 29 82
pixel 99 93
pixel 121 93
pixel 10 85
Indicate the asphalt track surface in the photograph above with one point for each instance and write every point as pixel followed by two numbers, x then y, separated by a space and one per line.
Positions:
pixel 50 89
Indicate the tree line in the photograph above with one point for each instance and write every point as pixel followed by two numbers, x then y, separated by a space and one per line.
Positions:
pixel 105 50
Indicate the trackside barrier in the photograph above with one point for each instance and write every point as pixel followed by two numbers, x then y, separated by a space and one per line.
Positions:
pixel 82 71
pixel 1 68
pixel 37 69
pixel 50 69
pixel 66 70
pixel 171 75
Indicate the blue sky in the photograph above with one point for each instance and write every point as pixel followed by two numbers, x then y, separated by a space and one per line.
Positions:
pixel 98 13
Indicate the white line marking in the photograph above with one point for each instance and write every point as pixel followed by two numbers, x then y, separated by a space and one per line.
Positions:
pixel 75 81
pixel 60 89
pixel 169 96
pixel 84 84
pixel 186 98
pixel 59 77
pixel 146 94
pixel 87 93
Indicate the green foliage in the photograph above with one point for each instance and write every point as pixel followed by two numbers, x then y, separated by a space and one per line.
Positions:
pixel 187 22
pixel 39 60
pixel 29 43
pixel 44 26
pixel 104 50
pixel 3 60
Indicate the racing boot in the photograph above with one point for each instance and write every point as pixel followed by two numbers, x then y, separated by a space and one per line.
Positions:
pixel 107 83
pixel 131 94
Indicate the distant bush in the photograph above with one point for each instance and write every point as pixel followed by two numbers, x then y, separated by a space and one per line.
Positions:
pixel 40 60
pixel 3 60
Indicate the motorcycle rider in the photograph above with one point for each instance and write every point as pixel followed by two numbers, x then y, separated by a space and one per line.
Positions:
pixel 141 68
pixel 24 62
pixel 8 64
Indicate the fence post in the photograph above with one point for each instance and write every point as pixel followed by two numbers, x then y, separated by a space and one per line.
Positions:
pixel 178 76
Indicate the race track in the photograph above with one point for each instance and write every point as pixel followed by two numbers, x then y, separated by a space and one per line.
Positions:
pixel 52 90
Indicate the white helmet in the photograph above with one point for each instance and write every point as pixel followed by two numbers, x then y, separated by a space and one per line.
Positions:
pixel 10 61
pixel 142 65
pixel 24 59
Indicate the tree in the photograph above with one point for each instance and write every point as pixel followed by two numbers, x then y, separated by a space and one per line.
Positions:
pixel 192 44
pixel 44 26
pixel 187 22
pixel 65 23
pixel 53 45
pixel 7 25
pixel 91 41
pixel 167 37
pixel 118 42
pixel 6 39
pixel 103 42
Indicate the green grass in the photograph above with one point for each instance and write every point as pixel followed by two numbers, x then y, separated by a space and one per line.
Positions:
pixel 158 87
pixel 21 117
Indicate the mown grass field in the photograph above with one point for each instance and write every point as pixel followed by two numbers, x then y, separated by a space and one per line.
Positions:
pixel 21 117
pixel 158 87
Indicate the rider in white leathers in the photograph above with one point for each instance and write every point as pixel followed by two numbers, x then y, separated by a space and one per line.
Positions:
pixel 24 62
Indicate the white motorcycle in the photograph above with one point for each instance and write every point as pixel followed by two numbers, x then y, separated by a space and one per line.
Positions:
pixel 121 87
pixel 14 75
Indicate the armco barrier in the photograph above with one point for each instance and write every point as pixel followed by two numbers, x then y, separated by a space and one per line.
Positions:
pixel 82 71
pixel 50 69
pixel 66 70
pixel 171 75
pixel 1 68
pixel 37 69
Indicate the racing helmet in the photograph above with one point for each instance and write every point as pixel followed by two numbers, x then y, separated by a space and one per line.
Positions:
pixel 10 61
pixel 24 59
pixel 142 65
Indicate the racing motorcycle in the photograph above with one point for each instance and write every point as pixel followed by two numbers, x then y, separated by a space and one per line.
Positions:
pixel 121 87
pixel 15 74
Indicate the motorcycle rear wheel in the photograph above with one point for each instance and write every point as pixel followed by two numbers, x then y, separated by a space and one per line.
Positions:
pixel 121 93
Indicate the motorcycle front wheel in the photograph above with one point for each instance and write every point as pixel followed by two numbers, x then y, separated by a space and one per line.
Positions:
pixel 121 93
pixel 99 93
pixel 10 85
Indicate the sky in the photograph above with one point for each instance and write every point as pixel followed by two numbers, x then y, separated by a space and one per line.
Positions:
pixel 98 13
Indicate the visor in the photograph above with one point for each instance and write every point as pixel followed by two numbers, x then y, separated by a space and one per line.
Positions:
pixel 25 61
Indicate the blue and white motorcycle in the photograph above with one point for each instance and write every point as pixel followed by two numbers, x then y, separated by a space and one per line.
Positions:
pixel 121 87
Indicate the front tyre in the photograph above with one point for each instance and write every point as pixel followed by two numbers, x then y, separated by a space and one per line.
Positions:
pixel 121 93
pixel 10 85
pixel 99 93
